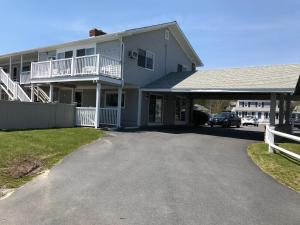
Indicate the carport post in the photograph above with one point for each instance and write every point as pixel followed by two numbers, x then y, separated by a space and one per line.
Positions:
pixel 272 109
pixel 97 111
pixel 287 109
pixel 281 109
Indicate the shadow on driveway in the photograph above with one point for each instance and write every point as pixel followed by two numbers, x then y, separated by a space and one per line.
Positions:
pixel 245 133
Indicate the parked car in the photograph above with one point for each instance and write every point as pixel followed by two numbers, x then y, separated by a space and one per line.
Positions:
pixel 225 119
pixel 250 120
pixel 296 119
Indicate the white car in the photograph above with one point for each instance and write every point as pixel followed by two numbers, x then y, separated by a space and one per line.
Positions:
pixel 250 120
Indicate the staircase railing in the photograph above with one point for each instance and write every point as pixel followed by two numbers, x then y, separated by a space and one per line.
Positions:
pixel 41 94
pixel 12 87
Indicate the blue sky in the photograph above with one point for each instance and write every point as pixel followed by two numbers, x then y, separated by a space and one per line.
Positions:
pixel 225 33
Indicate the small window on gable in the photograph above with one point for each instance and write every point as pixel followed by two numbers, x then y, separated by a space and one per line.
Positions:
pixel 167 35
pixel 145 59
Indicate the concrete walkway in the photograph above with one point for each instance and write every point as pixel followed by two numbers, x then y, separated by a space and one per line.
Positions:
pixel 184 177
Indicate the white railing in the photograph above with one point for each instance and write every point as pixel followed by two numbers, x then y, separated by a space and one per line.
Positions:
pixel 269 139
pixel 25 77
pixel 77 66
pixel 108 116
pixel 13 87
pixel 110 66
pixel 85 116
pixel 40 94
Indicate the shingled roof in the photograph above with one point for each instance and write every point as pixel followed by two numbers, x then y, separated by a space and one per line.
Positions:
pixel 260 79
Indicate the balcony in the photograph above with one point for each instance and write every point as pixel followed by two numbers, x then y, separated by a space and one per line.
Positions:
pixel 92 65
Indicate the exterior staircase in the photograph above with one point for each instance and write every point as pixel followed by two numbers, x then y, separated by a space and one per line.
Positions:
pixel 40 94
pixel 13 89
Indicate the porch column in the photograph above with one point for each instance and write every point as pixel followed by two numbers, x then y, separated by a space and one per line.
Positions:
pixel 10 66
pixel 119 107
pixel 51 93
pixel 72 95
pixel 273 109
pixel 32 93
pixel 139 111
pixel 97 112
pixel 21 64
pixel 281 109
pixel 287 109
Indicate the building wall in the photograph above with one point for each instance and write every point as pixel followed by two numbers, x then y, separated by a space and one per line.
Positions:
pixel 168 54
pixel 29 115
pixel 109 48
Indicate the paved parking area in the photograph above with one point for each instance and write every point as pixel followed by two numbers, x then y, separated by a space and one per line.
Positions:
pixel 169 176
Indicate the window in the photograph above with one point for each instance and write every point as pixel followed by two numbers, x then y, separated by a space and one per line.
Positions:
pixel 241 104
pixel 259 115
pixel 256 104
pixel 262 104
pixel 249 104
pixel 85 51
pixel 111 99
pixel 65 55
pixel 145 59
pixel 266 115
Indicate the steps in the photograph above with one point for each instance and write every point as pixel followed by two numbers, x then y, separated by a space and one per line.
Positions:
pixel 12 88
pixel 40 94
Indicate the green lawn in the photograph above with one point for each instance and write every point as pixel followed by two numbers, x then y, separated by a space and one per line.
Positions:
pixel 283 169
pixel 43 148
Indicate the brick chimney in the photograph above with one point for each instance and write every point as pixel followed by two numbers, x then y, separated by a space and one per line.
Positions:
pixel 95 32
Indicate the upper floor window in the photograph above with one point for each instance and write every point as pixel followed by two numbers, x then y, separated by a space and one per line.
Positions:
pixel 241 104
pixel 249 104
pixel 85 51
pixel 65 55
pixel 145 59
pixel 262 104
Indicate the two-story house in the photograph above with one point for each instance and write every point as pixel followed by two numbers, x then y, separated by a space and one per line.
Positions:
pixel 104 76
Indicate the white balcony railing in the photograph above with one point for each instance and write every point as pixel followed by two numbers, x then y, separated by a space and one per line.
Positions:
pixel 77 66
pixel 25 77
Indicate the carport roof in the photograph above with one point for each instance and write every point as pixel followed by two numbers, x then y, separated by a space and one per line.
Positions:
pixel 260 79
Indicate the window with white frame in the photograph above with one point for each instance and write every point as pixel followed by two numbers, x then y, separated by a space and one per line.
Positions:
pixel 111 99
pixel 145 59
pixel 65 55
pixel 85 51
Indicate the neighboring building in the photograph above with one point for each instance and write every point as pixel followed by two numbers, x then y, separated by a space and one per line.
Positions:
pixel 259 109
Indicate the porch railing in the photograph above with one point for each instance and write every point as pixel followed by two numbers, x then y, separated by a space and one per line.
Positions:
pixel 77 66
pixel 25 77
pixel 85 116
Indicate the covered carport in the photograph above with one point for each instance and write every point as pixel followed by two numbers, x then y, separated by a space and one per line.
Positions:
pixel 275 83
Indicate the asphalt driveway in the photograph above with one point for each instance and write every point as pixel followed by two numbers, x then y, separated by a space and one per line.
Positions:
pixel 184 177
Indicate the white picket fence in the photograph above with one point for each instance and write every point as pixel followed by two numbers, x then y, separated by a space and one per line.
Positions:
pixel 85 116
pixel 270 137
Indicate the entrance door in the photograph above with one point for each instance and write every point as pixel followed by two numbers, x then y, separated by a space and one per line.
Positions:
pixel 14 73
pixel 78 98
pixel 180 111
pixel 155 109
